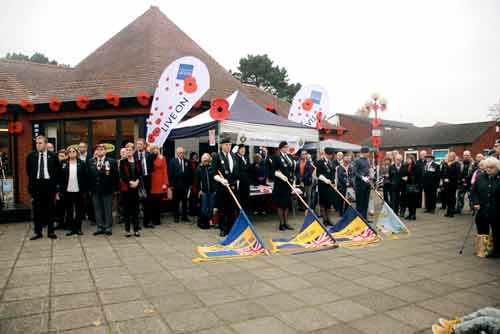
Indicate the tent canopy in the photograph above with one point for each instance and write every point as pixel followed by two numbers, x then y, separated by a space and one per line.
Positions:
pixel 337 145
pixel 252 124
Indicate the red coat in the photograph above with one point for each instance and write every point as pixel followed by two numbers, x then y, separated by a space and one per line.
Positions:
pixel 159 176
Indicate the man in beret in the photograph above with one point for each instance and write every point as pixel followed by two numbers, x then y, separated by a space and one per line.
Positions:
pixel 325 171
pixel 362 185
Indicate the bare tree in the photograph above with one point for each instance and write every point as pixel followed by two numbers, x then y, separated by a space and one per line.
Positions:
pixel 494 111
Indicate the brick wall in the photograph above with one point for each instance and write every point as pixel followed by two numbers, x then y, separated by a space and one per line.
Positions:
pixel 357 132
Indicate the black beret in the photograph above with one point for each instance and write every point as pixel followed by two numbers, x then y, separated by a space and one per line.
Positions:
pixel 365 149
pixel 329 150
pixel 283 144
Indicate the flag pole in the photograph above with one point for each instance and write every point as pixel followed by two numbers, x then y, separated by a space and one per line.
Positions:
pixel 231 191
pixel 298 196
pixel 340 194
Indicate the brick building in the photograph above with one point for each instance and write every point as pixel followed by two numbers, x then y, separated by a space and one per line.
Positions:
pixel 127 64
pixel 359 129
pixel 442 138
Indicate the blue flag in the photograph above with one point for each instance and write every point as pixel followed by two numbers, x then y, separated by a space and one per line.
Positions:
pixel 353 231
pixel 389 223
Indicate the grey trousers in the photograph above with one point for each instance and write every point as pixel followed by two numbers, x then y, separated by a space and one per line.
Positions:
pixel 486 320
pixel 103 208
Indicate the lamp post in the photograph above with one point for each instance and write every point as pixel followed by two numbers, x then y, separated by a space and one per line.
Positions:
pixel 375 105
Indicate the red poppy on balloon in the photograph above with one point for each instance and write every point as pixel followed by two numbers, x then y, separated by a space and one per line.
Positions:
pixel 113 99
pixel 3 106
pixel 376 122
pixel 375 106
pixel 219 109
pixel 307 104
pixel 340 131
pixel 270 107
pixel 143 98
pixel 82 102
pixel 55 104
pixel 190 85
pixel 197 105
pixel 15 128
pixel 328 130
pixel 376 141
pixel 27 105
pixel 319 120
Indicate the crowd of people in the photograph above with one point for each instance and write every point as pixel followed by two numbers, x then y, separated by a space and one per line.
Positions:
pixel 75 184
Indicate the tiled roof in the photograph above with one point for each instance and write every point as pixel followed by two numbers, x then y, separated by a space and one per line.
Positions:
pixel 385 122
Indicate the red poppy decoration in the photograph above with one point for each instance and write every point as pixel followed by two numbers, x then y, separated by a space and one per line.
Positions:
pixel 340 131
pixel 113 99
pixel 292 150
pixel 319 120
pixel 328 130
pixel 197 105
pixel 27 105
pixel 376 122
pixel 376 141
pixel 3 106
pixel 15 128
pixel 270 107
pixel 219 109
pixel 190 85
pixel 143 99
pixel 55 104
pixel 151 138
pixel 82 102
pixel 380 155
pixel 307 104
pixel 375 106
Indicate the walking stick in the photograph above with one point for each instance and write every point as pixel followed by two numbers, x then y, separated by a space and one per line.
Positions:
pixel 241 210
pixel 467 235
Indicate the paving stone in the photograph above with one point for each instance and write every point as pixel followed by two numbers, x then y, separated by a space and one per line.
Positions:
pixel 204 283
pixel 66 288
pixel 190 273
pixel 30 292
pixel 446 307
pixel 307 319
pixel 291 283
pixel 408 293
pixel 23 308
pixel 163 288
pixel 263 325
pixel 279 303
pixel 150 325
pixel 271 273
pixel 379 301
pixel 66 302
pixel 219 296
pixel 237 278
pixel 192 320
pixel 470 299
pixel 32 324
pixel 239 311
pixel 177 302
pixel 414 316
pixel 119 295
pixel 346 310
pixel 315 296
pixel 84 317
pixel 346 288
pixel 129 310
pixel 256 289
pixel 88 330
pixel 338 329
pixel 376 282
pixel 381 324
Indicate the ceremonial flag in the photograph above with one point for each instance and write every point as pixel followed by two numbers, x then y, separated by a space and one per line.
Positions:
pixel 390 224
pixel 309 105
pixel 312 236
pixel 242 241
pixel 181 85
pixel 353 231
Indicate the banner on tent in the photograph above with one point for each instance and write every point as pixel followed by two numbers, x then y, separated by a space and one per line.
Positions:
pixel 180 86
pixel 312 236
pixel 242 241
pixel 353 231
pixel 246 139
pixel 309 102
pixel 389 223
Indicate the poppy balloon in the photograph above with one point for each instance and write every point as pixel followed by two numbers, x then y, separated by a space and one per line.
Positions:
pixel 151 138
pixel 82 102
pixel 307 104
pixel 15 127
pixel 375 106
pixel 190 85
pixel 219 109
pixel 376 141
pixel 143 98
pixel 380 155
pixel 55 104
pixel 113 99
pixel 197 105
pixel 376 122
pixel 27 105
pixel 3 106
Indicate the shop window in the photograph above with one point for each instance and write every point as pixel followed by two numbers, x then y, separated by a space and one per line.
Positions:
pixel 75 132
pixel 104 131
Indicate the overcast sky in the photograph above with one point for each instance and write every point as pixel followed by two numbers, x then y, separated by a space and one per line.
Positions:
pixel 433 60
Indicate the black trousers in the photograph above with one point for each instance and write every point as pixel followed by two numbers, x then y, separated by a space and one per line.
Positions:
pixel 411 202
pixel 60 207
pixel 88 207
pixel 387 193
pixel 362 199
pixel 43 206
pixel 226 208
pixel 342 205
pixel 430 198
pixel 74 210
pixel 131 198
pixel 396 200
pixel 419 197
pixel 155 200
pixel 451 198
pixel 180 198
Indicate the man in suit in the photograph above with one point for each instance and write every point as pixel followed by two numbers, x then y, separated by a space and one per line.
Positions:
pixel 42 167
pixel 103 182
pixel 225 167
pixel 398 176
pixel 180 177
pixel 326 177
pixel 430 183
pixel 86 156
pixel 419 176
pixel 362 187
pixel 146 161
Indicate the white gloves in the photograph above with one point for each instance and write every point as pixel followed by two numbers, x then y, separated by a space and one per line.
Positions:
pixel 297 191
pixel 221 180
pixel 280 175
pixel 323 179
pixel 366 179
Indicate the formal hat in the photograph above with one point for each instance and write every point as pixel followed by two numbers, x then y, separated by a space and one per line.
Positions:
pixel 283 144
pixel 329 150
pixel 365 149
pixel 225 140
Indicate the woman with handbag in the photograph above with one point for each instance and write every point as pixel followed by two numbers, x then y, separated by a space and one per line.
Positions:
pixel 130 186
pixel 411 188
pixel 159 183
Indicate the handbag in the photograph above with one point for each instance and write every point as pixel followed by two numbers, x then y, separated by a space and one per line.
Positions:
pixel 141 191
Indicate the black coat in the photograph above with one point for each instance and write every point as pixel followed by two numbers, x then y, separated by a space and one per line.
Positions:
pixel 451 172
pixel 282 196
pixel 486 193
pixel 180 180
pixel 106 180
pixel 204 179
pixel 81 174
pixel 127 174
pixel 220 165
pixel 344 177
pixel 396 176
pixel 419 172
pixel 146 179
pixel 327 169
pixel 53 168
pixel 431 176
pixel 244 171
